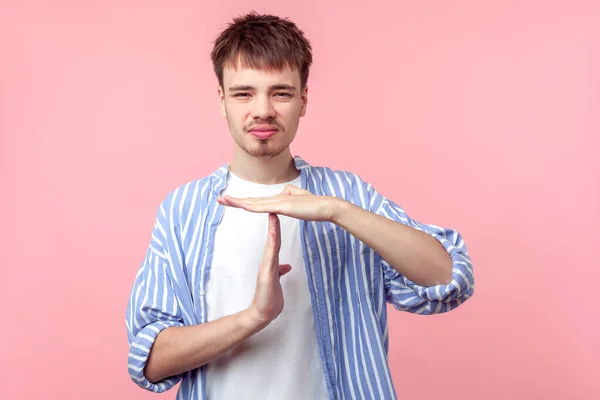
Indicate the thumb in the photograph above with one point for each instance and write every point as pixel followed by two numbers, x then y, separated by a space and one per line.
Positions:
pixel 293 190
pixel 284 269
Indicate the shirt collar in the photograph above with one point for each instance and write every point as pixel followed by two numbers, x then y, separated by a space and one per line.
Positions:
pixel 219 176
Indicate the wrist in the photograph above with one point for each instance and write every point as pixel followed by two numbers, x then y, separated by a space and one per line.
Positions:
pixel 338 209
pixel 251 320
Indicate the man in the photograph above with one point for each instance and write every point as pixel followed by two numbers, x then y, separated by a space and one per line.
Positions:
pixel 207 307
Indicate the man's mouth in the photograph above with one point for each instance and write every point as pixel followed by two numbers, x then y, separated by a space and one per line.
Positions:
pixel 263 131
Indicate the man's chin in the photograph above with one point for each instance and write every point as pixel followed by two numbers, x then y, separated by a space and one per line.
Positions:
pixel 262 149
pixel 264 152
pixel 264 155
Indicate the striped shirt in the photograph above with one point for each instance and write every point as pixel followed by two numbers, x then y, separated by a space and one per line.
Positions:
pixel 349 283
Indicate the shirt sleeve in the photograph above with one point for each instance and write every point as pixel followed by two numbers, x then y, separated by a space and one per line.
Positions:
pixel 405 294
pixel 152 307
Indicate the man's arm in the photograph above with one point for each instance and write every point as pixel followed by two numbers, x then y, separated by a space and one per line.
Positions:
pixel 180 349
pixel 161 349
pixel 183 348
pixel 414 254
pixel 426 269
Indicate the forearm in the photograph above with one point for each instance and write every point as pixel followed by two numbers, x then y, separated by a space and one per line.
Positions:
pixel 180 349
pixel 414 254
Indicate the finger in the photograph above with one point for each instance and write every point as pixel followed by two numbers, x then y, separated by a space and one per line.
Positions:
pixel 237 203
pixel 293 190
pixel 275 206
pixel 230 201
pixel 249 199
pixel 275 227
pixel 259 200
pixel 260 205
pixel 273 241
pixel 284 269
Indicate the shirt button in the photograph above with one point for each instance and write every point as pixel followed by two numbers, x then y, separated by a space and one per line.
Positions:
pixel 202 293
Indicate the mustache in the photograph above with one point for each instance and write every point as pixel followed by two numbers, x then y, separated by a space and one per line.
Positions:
pixel 271 123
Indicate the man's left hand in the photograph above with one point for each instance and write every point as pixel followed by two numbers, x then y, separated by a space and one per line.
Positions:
pixel 293 202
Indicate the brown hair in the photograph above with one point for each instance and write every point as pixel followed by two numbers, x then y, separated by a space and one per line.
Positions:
pixel 262 42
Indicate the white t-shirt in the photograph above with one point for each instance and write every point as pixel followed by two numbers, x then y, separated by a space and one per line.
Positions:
pixel 282 361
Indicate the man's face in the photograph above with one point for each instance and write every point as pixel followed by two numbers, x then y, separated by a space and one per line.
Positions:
pixel 263 108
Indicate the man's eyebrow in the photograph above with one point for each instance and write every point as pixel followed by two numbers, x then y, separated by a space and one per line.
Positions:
pixel 240 87
pixel 283 86
pixel 279 86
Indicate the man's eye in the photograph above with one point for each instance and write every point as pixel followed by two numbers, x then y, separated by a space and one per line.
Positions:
pixel 283 94
pixel 241 95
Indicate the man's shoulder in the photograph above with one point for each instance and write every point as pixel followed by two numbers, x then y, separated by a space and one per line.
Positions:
pixel 325 172
pixel 196 192
pixel 340 182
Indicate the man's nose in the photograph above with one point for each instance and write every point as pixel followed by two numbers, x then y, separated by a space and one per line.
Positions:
pixel 263 108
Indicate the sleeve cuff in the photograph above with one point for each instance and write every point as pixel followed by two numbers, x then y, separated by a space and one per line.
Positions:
pixel 462 285
pixel 139 350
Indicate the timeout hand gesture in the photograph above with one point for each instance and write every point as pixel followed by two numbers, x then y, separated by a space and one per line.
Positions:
pixel 267 303
pixel 292 202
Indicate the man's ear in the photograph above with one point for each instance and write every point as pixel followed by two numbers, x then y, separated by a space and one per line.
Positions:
pixel 222 101
pixel 304 95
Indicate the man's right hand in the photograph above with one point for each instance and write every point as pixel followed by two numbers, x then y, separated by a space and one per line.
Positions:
pixel 183 348
pixel 268 296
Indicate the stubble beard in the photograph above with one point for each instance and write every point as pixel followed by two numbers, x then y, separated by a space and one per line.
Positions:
pixel 258 148
pixel 262 148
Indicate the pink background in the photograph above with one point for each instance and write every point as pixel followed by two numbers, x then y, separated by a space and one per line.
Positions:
pixel 482 116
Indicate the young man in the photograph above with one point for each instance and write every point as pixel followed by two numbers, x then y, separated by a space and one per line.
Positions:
pixel 207 307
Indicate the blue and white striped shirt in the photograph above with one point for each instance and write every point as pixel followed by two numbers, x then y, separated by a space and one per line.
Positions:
pixel 349 283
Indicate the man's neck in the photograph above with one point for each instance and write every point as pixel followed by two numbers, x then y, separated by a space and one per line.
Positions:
pixel 265 171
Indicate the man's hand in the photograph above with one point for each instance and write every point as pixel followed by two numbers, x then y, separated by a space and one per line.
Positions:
pixel 292 202
pixel 268 296
pixel 180 349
